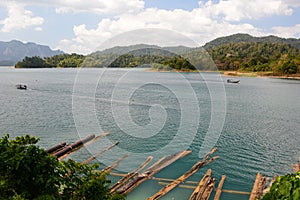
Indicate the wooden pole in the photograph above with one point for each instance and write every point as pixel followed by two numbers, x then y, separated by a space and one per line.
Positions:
pixel 193 170
pixel 114 165
pixel 83 145
pixel 100 153
pixel 193 187
pixel 208 190
pixel 254 191
pixel 140 178
pixel 219 188
pixel 130 175
pixel 205 178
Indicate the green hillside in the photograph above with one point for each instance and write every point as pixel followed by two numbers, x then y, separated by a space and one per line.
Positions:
pixel 239 52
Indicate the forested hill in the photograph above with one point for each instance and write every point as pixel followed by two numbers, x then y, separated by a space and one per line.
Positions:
pixel 237 52
pixel 256 57
pixel 241 37
pixel 14 51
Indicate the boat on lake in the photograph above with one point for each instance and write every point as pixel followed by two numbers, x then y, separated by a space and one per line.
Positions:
pixel 233 81
pixel 21 87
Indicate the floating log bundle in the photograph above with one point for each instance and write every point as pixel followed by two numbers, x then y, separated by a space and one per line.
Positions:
pixel 130 175
pixel 156 167
pixel 258 187
pixel 193 170
pixel 74 145
pixel 57 147
pixel 203 184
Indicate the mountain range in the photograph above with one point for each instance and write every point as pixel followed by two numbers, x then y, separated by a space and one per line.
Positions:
pixel 13 51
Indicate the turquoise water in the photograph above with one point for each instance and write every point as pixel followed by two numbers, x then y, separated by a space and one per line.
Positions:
pixel 260 132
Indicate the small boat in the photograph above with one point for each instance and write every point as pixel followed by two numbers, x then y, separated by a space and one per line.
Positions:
pixel 232 81
pixel 21 87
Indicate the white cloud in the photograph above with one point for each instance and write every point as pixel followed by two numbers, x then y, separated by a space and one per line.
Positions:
pixel 236 10
pixel 110 7
pixel 293 3
pixel 193 24
pixel 19 18
pixel 287 31
pixel 99 6
pixel 208 21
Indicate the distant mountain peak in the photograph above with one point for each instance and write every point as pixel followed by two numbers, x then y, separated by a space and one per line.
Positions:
pixel 13 51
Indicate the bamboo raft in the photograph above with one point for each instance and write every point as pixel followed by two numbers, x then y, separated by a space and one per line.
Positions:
pixel 156 167
pixel 193 170
pixel 77 145
pixel 130 175
pixel 201 190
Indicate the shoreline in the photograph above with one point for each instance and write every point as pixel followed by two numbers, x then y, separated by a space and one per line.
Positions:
pixel 224 73
pixel 261 75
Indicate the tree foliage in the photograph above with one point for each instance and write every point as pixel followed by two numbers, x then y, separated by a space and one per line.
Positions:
pixel 29 172
pixel 285 187
pixel 257 56
pixel 254 55
pixel 62 60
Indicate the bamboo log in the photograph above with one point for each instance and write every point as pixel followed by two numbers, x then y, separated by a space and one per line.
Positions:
pixel 180 185
pixel 100 153
pixel 208 190
pixel 57 147
pixel 254 191
pixel 130 175
pixel 114 165
pixel 193 187
pixel 193 170
pixel 219 188
pixel 236 192
pixel 202 182
pixel 162 163
pixel 73 148
pixel 171 180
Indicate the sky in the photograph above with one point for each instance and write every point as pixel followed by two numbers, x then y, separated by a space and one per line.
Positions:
pixel 80 25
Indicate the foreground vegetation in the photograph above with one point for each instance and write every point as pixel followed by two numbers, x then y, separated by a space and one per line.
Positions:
pixel 285 187
pixel 29 172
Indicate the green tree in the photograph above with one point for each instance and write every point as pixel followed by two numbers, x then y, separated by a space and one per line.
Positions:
pixel 285 187
pixel 32 62
pixel 29 172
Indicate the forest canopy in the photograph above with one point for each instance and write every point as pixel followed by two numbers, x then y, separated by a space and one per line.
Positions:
pixel 278 58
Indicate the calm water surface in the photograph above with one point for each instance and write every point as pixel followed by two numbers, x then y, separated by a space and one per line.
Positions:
pixel 260 133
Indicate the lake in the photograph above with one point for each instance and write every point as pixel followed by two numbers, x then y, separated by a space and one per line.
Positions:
pixel 255 124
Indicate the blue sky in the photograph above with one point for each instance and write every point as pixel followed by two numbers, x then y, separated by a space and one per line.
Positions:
pixel 79 26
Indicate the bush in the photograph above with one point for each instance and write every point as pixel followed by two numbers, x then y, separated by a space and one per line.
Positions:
pixel 285 187
pixel 29 172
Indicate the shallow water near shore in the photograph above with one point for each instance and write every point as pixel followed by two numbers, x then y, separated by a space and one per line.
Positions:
pixel 260 132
